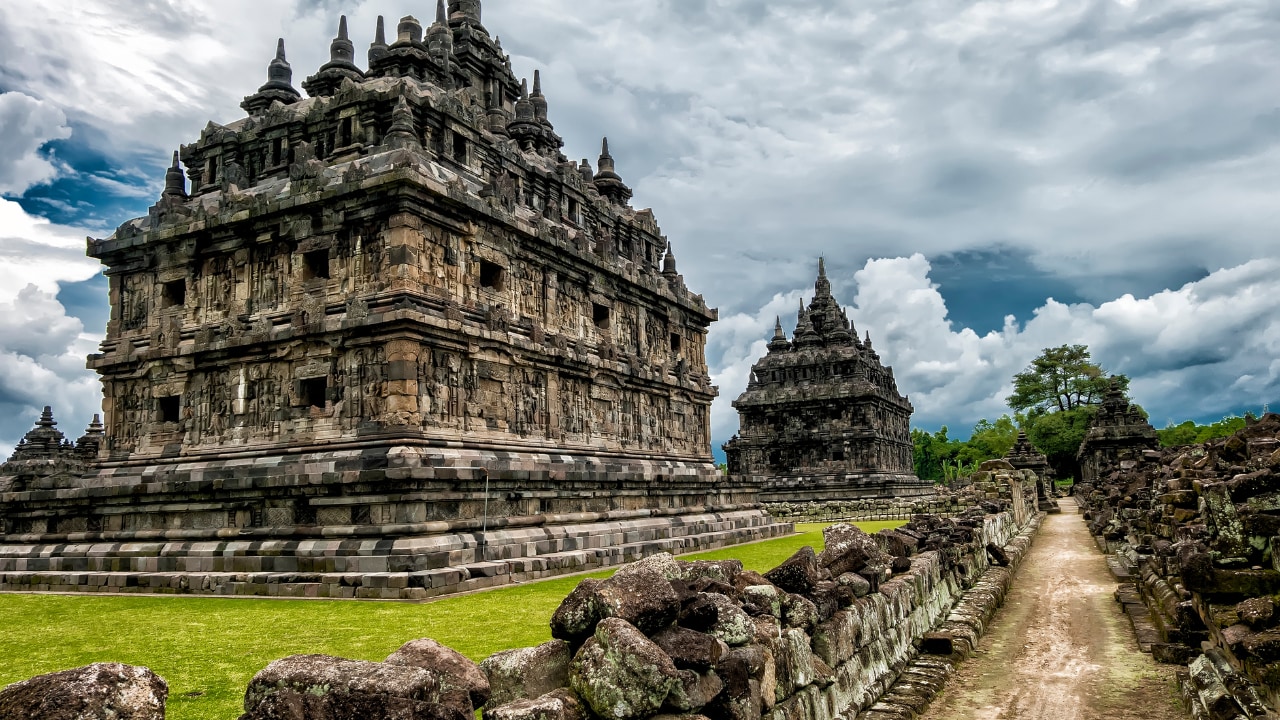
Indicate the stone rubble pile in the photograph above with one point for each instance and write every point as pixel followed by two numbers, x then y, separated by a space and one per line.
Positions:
pixel 1194 531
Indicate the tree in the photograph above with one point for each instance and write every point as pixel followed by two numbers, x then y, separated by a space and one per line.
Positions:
pixel 1061 379
pixel 1056 397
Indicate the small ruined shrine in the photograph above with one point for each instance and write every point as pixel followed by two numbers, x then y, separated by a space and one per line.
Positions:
pixel 821 418
pixel 392 309
pixel 1023 455
pixel 1117 436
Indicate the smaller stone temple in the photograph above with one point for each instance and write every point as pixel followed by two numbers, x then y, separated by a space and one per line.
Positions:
pixel 822 418
pixel 45 457
pixel 1024 456
pixel 1117 436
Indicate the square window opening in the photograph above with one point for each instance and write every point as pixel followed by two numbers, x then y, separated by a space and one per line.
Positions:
pixel 675 343
pixel 313 392
pixel 460 148
pixel 170 408
pixel 173 294
pixel 600 315
pixel 277 151
pixel 491 275
pixel 316 264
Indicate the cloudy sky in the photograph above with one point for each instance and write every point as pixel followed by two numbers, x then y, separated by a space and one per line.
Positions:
pixel 985 179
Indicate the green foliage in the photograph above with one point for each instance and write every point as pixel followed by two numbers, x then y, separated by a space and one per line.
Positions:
pixel 209 648
pixel 1189 433
pixel 941 459
pixel 1061 379
pixel 1058 435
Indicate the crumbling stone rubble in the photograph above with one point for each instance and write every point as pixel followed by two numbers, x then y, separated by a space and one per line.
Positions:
pixel 1193 533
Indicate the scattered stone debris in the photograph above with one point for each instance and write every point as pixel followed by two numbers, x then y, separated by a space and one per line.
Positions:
pixel 1193 532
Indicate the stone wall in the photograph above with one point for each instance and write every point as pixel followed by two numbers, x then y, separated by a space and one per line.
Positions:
pixel 835 634
pixel 1193 534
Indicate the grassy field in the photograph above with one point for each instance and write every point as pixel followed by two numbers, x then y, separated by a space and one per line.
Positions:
pixel 209 648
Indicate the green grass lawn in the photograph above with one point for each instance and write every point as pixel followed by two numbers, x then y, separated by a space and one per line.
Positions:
pixel 209 648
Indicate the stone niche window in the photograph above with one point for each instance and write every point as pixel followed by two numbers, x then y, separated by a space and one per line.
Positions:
pixel 277 151
pixel 170 408
pixel 492 276
pixel 600 315
pixel 460 148
pixel 315 265
pixel 575 212
pixel 344 132
pixel 313 392
pixel 173 293
pixel 676 342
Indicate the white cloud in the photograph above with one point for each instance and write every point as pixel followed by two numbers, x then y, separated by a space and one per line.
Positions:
pixel 42 348
pixel 26 125
pixel 1207 347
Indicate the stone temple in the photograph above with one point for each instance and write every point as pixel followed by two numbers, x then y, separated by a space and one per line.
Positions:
pixel 821 418
pixel 1118 436
pixel 386 329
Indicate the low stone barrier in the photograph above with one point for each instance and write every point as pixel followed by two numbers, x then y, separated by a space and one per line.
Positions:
pixel 848 631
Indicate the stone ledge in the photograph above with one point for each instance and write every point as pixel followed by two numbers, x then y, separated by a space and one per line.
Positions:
pixel 924 676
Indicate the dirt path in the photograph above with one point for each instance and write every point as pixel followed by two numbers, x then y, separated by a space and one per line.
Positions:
pixel 1061 647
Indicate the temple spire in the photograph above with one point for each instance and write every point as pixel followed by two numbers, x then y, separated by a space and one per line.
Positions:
pixel 823 285
pixel 607 180
pixel 341 50
pixel 278 88
pixel 669 263
pixel 441 16
pixel 175 183
pixel 378 48
pixel 779 342
pixel 403 132
pixel 538 100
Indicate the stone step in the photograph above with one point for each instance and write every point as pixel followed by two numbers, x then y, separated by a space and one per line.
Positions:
pixel 415 585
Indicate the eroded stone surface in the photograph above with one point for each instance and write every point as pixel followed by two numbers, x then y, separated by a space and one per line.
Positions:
pixel 102 691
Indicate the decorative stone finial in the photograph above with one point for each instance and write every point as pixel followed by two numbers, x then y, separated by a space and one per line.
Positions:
pixel 403 133
pixel 584 169
pixel 465 11
pixel 409 31
pixel 46 418
pixel 378 48
pixel 779 342
pixel 441 16
pixel 607 180
pixel 175 182
pixel 524 107
pixel 823 285
pixel 669 263
pixel 279 72
pixel 341 51
pixel 96 427
pixel 537 99
pixel 278 88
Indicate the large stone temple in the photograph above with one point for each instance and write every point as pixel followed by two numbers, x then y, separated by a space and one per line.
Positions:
pixel 821 418
pixel 387 327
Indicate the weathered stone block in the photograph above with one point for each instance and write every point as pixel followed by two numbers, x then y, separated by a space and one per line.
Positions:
pixel 102 691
